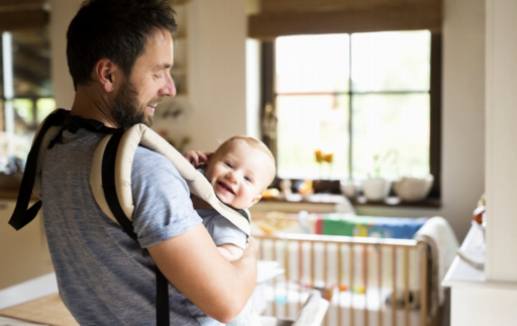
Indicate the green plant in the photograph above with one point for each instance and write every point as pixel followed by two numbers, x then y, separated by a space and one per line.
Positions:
pixel 390 157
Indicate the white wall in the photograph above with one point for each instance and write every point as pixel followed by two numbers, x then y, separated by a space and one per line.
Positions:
pixel 62 13
pixel 463 111
pixel 253 87
pixel 216 71
pixel 501 156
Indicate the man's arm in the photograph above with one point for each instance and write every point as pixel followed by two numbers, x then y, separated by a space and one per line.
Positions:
pixel 194 265
pixel 230 251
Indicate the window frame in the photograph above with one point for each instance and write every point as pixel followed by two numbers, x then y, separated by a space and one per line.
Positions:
pixel 435 105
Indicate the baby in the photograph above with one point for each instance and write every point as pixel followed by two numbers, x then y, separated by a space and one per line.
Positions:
pixel 239 170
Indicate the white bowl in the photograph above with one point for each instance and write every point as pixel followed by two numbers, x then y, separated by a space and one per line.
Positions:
pixel 376 189
pixel 412 189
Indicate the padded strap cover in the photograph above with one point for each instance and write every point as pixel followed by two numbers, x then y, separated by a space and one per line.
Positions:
pixel 140 134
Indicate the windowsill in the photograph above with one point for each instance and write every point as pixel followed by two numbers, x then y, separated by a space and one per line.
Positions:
pixel 396 202
pixel 325 199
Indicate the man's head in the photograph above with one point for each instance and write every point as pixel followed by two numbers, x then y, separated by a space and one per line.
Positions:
pixel 240 170
pixel 125 46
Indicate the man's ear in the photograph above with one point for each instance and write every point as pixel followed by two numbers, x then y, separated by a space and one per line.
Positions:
pixel 106 72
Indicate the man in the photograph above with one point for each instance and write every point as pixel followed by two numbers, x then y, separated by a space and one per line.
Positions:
pixel 120 53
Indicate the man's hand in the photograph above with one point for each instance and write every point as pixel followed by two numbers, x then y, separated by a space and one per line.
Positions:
pixel 193 264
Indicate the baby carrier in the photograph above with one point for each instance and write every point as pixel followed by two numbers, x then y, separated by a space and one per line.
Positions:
pixel 110 180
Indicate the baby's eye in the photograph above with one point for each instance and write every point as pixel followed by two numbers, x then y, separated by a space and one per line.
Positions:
pixel 248 179
pixel 228 164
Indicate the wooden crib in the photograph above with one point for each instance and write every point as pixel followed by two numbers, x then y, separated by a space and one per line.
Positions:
pixel 369 281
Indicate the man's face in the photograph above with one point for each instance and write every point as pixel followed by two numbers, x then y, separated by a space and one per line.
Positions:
pixel 150 80
pixel 240 174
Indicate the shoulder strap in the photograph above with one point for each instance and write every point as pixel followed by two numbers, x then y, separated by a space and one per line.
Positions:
pixel 110 201
pixel 110 178
pixel 48 134
pixel 22 214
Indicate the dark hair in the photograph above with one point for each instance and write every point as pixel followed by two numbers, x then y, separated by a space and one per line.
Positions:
pixel 113 29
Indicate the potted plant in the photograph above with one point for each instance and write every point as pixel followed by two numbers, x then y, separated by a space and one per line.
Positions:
pixel 376 187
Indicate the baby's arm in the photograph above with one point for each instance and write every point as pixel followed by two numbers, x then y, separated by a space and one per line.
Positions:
pixel 196 158
pixel 230 251
pixel 231 242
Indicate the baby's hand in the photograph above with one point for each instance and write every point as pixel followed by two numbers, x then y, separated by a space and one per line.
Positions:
pixel 196 158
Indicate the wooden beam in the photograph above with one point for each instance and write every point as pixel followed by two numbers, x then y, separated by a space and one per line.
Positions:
pixel 338 5
pixel 20 19
pixel 21 3
pixel 407 17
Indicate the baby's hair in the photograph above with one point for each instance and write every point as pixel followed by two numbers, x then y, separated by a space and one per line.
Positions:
pixel 252 142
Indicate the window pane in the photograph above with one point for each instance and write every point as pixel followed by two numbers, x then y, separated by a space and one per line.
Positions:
pixel 31 63
pixel 24 117
pixel 312 63
pixel 309 123
pixel 45 107
pixel 391 61
pixel 394 128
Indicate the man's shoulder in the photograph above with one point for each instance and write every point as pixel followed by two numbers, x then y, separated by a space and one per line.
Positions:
pixel 147 158
pixel 154 171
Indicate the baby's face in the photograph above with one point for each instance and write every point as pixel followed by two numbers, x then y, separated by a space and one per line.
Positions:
pixel 240 174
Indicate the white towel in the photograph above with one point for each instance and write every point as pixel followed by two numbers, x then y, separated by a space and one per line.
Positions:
pixel 438 234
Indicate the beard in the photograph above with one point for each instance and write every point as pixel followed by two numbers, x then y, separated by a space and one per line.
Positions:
pixel 126 112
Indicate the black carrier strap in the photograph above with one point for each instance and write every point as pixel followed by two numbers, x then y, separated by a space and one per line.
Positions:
pixel 110 192
pixel 23 215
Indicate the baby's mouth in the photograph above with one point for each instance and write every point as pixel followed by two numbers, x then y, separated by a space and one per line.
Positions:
pixel 226 187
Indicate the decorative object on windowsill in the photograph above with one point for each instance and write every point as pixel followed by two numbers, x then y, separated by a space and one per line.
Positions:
pixel 285 187
pixel 321 158
pixel 376 188
pixel 11 176
pixel 349 188
pixel 271 193
pixel 305 188
pixel 412 189
pixel 325 186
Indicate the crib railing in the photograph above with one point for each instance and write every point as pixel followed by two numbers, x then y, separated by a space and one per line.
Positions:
pixel 368 281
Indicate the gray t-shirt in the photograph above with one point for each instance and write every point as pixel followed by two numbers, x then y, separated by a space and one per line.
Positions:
pixel 104 276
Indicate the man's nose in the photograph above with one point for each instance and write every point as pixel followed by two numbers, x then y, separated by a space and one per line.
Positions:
pixel 169 88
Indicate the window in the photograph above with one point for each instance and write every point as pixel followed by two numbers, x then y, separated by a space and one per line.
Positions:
pixel 25 88
pixel 367 102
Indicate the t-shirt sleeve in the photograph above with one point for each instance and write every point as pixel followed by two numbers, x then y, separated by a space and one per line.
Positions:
pixel 163 208
pixel 223 231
